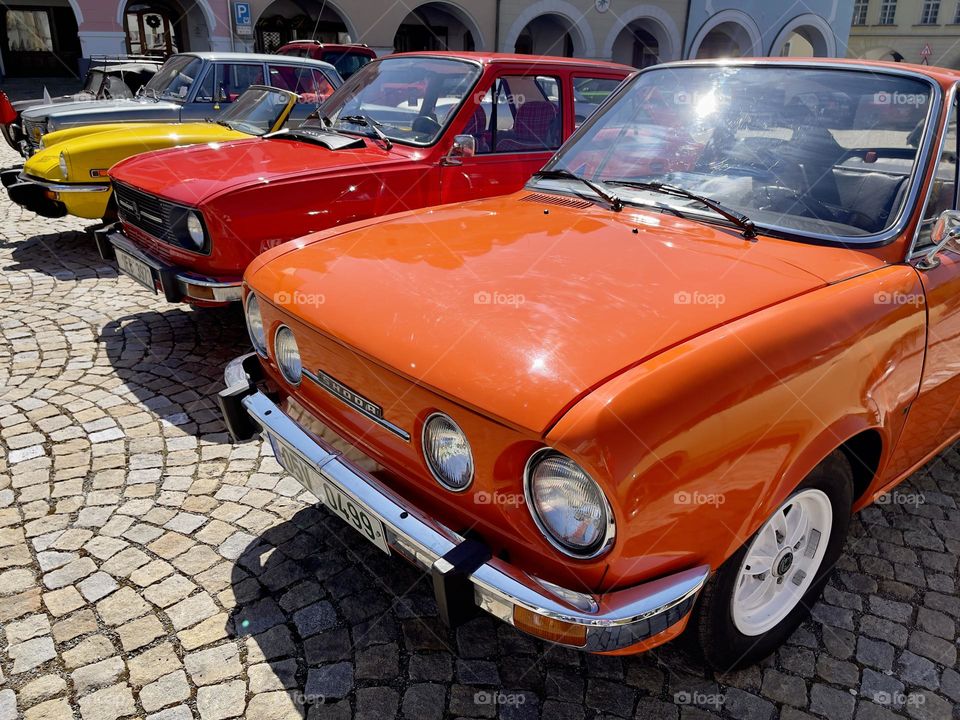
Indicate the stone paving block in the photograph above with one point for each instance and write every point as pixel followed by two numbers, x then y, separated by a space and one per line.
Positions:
pixel 153 664
pixel 214 664
pixel 168 690
pixel 219 702
pixel 108 704
pixel 30 654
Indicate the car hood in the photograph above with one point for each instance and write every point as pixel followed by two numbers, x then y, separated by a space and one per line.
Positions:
pixel 86 111
pixel 203 171
pixel 517 307
pixel 104 145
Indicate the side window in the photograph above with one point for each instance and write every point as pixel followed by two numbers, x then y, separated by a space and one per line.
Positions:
pixel 225 82
pixel 519 114
pixel 588 93
pixel 311 84
pixel 346 63
pixel 943 192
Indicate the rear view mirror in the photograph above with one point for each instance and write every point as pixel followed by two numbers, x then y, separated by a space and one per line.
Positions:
pixel 464 146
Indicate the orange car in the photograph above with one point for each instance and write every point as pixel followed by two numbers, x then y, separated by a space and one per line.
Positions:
pixel 645 391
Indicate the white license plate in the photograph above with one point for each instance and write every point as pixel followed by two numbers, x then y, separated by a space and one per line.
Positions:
pixel 336 500
pixel 136 269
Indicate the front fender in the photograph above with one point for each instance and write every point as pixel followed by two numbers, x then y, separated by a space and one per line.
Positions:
pixel 700 443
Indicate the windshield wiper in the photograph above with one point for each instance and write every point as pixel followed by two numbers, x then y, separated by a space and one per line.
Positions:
pixel 367 121
pixel 738 219
pixel 615 203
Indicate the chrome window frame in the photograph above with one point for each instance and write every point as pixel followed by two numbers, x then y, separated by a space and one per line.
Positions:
pixel 912 251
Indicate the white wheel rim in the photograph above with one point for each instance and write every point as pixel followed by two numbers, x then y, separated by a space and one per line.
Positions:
pixel 782 562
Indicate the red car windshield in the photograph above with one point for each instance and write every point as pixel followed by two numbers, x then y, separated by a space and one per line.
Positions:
pixel 409 99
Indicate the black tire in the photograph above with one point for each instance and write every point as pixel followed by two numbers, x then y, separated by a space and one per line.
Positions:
pixel 724 647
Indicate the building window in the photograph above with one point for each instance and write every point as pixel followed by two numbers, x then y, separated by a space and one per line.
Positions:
pixel 930 13
pixel 860 12
pixel 888 9
pixel 956 15
pixel 29 31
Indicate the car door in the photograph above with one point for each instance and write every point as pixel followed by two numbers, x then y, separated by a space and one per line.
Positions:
pixel 934 416
pixel 517 125
pixel 222 84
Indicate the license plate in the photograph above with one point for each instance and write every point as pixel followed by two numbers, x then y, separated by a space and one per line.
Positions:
pixel 136 269
pixel 336 500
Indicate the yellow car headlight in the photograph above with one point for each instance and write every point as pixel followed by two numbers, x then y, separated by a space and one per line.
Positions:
pixel 63 165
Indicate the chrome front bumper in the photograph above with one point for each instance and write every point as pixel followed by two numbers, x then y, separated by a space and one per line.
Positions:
pixel 176 285
pixel 613 621
pixel 65 187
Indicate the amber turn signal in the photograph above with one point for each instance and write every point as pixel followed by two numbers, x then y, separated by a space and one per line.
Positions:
pixel 547 628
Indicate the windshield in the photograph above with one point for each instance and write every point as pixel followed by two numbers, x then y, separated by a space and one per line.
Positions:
pixel 256 111
pixel 409 99
pixel 809 150
pixel 174 80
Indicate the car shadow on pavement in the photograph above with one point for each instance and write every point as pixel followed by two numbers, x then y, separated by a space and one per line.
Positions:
pixel 335 628
pixel 173 360
pixel 65 255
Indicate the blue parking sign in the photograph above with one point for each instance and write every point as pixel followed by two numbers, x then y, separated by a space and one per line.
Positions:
pixel 243 18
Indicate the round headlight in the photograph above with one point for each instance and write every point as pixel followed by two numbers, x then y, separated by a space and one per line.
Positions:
pixel 567 505
pixel 447 453
pixel 288 355
pixel 195 230
pixel 255 325
pixel 63 165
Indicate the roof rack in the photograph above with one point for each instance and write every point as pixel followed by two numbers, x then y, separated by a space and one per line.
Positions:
pixel 104 60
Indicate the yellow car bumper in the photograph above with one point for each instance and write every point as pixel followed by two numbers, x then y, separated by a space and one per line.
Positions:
pixel 52 199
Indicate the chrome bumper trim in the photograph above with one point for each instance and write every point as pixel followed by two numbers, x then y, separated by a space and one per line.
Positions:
pixel 223 291
pixel 613 621
pixel 65 187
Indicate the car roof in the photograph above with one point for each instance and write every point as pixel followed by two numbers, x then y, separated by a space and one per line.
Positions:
pixel 491 58
pixel 327 46
pixel 214 56
pixel 941 75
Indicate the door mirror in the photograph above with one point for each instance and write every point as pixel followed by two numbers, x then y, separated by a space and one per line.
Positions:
pixel 464 146
pixel 945 236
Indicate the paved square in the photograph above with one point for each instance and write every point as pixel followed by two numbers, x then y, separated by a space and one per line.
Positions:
pixel 150 568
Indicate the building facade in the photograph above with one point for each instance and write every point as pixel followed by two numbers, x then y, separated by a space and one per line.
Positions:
pixel 916 31
pixel 49 36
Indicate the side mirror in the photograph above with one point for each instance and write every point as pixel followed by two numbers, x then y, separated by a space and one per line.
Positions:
pixel 945 236
pixel 464 146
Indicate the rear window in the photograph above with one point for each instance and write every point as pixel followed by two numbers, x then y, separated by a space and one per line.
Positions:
pixel 346 63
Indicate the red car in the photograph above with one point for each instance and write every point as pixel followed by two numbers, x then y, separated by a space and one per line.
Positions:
pixel 346 58
pixel 407 131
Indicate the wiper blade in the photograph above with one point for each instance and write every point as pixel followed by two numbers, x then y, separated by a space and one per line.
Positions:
pixel 615 203
pixel 737 218
pixel 367 121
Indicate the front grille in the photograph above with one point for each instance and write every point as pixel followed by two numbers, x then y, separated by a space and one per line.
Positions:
pixel 146 212
pixel 30 128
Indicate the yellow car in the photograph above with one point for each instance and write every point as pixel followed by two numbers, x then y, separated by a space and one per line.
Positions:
pixel 68 176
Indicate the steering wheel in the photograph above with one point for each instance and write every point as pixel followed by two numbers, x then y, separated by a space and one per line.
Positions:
pixel 425 125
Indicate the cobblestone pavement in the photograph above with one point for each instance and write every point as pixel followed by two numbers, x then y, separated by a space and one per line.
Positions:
pixel 150 568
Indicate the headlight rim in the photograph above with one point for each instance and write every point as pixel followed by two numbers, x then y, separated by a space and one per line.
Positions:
pixel 261 351
pixel 195 214
pixel 276 355
pixel 423 451
pixel 610 529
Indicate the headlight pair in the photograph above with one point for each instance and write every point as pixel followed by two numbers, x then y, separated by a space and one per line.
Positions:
pixel 284 343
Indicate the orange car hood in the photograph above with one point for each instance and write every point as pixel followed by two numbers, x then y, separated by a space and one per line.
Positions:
pixel 517 308
pixel 193 174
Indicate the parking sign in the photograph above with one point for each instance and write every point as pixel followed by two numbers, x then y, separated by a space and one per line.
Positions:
pixel 242 18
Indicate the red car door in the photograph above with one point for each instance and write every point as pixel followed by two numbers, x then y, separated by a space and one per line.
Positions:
pixel 517 124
